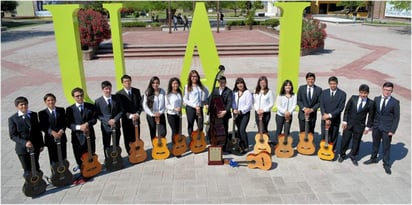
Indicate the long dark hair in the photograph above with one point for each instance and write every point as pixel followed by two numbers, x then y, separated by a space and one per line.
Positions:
pixel 150 92
pixel 170 88
pixel 239 80
pixel 258 88
pixel 189 81
pixel 285 83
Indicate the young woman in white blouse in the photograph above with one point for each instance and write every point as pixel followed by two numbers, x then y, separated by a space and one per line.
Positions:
pixel 263 101
pixel 286 104
pixel 242 101
pixel 154 106
pixel 195 98
pixel 174 105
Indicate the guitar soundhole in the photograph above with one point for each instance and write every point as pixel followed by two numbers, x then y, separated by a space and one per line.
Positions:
pixel 261 140
pixel 35 179
pixel 137 148
pixel 114 154
pixel 160 153
pixel 61 169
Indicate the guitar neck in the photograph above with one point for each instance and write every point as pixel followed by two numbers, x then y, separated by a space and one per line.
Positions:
pixel 89 147
pixel 59 150
pixel 114 138
pixel 32 162
pixel 306 128
pixel 234 127
pixel 136 132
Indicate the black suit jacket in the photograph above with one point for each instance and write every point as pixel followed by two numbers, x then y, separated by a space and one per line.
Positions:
pixel 130 105
pixel 333 105
pixel 227 100
pixel 356 120
pixel 75 118
pixel 47 126
pixel 21 131
pixel 104 114
pixel 388 119
pixel 303 101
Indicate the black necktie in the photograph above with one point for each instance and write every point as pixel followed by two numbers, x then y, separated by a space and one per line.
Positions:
pixel 109 105
pixel 360 106
pixel 384 103
pixel 26 118
pixel 309 95
pixel 81 110
pixel 53 119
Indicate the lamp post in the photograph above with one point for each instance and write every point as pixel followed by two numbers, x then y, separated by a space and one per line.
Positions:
pixel 218 16
pixel 169 16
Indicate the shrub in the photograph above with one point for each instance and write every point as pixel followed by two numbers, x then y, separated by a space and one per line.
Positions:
pixel 235 23
pixel 134 24
pixel 313 33
pixel 93 27
pixel 271 22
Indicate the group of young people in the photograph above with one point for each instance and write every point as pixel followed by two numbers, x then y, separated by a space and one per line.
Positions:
pixel 122 110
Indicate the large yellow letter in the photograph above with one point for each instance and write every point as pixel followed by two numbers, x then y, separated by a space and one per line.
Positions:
pixel 289 42
pixel 202 37
pixel 117 40
pixel 66 31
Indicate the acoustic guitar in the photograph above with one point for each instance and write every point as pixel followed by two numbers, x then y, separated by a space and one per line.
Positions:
pixel 61 175
pixel 160 149
pixel 326 148
pixel 233 146
pixel 261 139
pixel 114 159
pixel 284 149
pixel 305 145
pixel 90 163
pixel 34 183
pixel 137 152
pixel 262 160
pixel 179 140
pixel 198 140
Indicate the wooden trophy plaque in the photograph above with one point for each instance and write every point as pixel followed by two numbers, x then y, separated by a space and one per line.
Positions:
pixel 215 155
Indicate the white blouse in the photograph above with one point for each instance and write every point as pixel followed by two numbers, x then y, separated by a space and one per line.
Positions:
pixel 263 101
pixel 173 100
pixel 242 103
pixel 196 97
pixel 284 104
pixel 158 104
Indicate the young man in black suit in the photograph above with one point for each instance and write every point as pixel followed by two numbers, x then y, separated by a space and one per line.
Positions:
pixel 385 123
pixel 53 123
pixel 109 111
pixel 131 101
pixel 24 129
pixel 354 122
pixel 81 117
pixel 332 103
pixel 308 100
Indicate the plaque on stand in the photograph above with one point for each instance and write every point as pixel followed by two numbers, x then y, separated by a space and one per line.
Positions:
pixel 215 155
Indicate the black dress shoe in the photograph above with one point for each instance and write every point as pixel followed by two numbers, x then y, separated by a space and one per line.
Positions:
pixel 387 170
pixel 354 162
pixel 341 159
pixel 370 161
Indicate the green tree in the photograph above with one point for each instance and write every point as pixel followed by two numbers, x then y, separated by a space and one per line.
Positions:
pixel 352 5
pixel 9 6
pixel 401 5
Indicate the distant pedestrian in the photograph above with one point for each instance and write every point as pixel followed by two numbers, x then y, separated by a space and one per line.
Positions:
pixel 174 23
pixel 186 23
pixel 222 16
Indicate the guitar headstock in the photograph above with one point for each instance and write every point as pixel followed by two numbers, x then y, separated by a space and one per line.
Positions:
pixel 327 124
pixel 306 116
pixel 157 119
pixel 233 163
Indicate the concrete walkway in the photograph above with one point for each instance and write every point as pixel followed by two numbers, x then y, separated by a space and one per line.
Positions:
pixel 355 53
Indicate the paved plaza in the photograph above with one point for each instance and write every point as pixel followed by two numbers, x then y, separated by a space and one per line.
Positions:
pixel 355 53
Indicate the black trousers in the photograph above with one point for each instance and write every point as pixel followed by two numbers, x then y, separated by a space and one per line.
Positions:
pixel 265 121
pixel 378 136
pixel 107 139
pixel 192 117
pixel 79 150
pixel 347 136
pixel 26 162
pixel 241 123
pixel 280 122
pixel 129 134
pixel 174 123
pixel 152 126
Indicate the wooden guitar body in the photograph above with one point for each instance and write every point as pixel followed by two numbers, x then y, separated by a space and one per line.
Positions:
pixel 61 175
pixel 137 152
pixel 262 143
pixel 198 141
pixel 326 148
pixel 34 183
pixel 305 145
pixel 90 166
pixel 179 145
pixel 284 150
pixel 114 159
pixel 90 163
pixel 263 160
pixel 160 150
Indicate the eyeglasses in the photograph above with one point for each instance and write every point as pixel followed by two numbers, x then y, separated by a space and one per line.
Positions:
pixel 388 90
pixel 78 96
pixel 194 76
